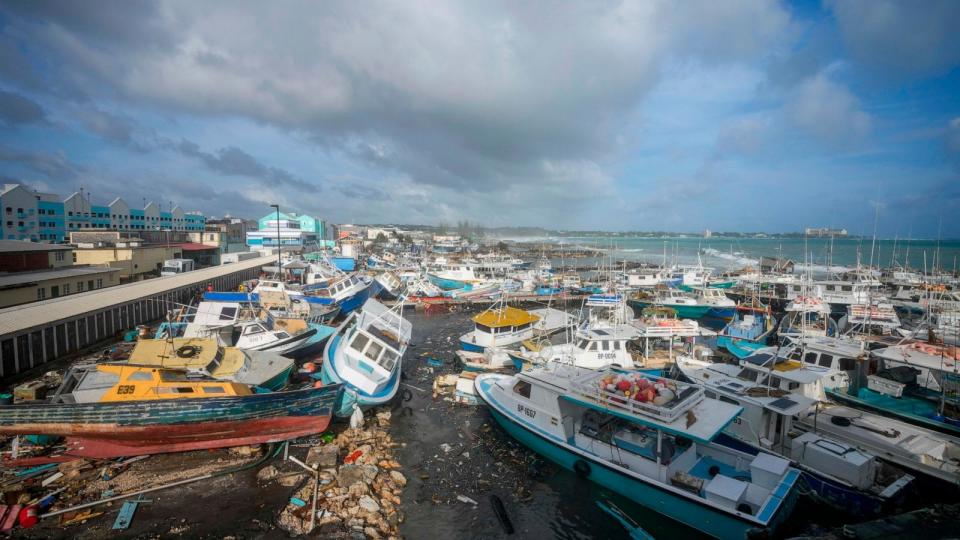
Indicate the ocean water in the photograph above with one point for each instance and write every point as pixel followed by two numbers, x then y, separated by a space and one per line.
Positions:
pixel 819 253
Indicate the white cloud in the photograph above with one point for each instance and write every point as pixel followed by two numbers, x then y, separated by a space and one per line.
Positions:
pixel 828 111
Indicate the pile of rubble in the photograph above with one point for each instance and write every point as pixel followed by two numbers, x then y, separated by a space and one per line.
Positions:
pixel 354 489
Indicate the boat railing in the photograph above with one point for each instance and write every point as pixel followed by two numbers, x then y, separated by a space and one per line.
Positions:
pixel 589 387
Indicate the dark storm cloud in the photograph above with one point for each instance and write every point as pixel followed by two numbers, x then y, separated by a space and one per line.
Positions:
pixel 55 167
pixel 16 109
pixel 233 161
pixel 473 96
pixel 109 126
pixel 901 37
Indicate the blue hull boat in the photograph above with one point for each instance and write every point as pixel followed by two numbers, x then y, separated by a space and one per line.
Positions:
pixel 446 283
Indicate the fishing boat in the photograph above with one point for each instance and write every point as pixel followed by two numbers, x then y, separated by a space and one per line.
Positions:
pixel 113 410
pixel 687 276
pixel 721 307
pixel 205 357
pixel 247 326
pixel 593 347
pixel 915 448
pixel 686 306
pixel 848 478
pixel 807 316
pixel 916 382
pixel 649 440
pixel 365 355
pixel 874 318
pixel 505 326
pixel 491 359
pixel 748 331
pixel 348 291
pixel 643 278
pixel 391 287
pixel 281 300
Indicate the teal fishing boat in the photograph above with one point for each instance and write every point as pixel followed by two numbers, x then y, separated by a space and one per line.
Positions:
pixel 686 306
pixel 647 439
pixel 748 331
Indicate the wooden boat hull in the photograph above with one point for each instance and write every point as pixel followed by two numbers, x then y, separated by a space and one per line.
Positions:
pixel 101 430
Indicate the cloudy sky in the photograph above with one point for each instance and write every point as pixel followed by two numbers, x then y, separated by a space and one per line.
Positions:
pixel 734 115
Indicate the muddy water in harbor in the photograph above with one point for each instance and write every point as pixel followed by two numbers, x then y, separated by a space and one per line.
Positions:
pixel 542 500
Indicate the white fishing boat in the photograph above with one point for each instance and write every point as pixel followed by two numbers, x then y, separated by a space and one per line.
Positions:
pixel 365 355
pixel 247 326
pixel 491 359
pixel 915 448
pixel 807 316
pixel 850 479
pixel 649 440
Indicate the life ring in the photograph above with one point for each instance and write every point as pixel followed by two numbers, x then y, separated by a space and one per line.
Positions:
pixel 187 351
pixel 582 468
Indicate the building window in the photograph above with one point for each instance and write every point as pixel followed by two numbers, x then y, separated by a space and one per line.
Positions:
pixel 79 286
pixel 99 283
pixel 55 291
pixel 70 213
pixel 59 256
pixel 41 293
pixel 90 285
pixel 66 288
pixel 9 210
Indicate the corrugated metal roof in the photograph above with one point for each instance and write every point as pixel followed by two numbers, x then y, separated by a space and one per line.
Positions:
pixel 23 317
pixel 21 278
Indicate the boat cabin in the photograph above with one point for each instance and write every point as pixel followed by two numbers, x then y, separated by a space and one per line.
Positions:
pixel 101 383
pixel 373 346
pixel 500 326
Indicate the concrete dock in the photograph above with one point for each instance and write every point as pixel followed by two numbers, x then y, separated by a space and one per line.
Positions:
pixel 32 334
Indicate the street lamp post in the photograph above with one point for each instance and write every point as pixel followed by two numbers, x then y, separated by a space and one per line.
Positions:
pixel 279 263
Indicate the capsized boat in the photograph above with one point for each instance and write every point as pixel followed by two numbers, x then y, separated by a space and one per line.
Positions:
pixel 204 357
pixel 112 410
pixel 365 355
pixel 848 478
pixel 647 439
pixel 505 326
pixel 492 359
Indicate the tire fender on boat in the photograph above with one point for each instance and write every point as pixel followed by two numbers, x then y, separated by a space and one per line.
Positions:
pixel 582 468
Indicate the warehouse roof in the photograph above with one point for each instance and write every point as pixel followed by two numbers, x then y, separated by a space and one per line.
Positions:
pixel 13 280
pixel 39 313
pixel 22 245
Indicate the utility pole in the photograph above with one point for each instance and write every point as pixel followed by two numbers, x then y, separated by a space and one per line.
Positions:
pixel 279 263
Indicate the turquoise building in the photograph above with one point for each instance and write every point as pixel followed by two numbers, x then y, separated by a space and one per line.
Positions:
pixel 295 230
pixel 27 214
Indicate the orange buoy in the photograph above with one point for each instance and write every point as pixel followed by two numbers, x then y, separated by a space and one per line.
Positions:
pixel 309 367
